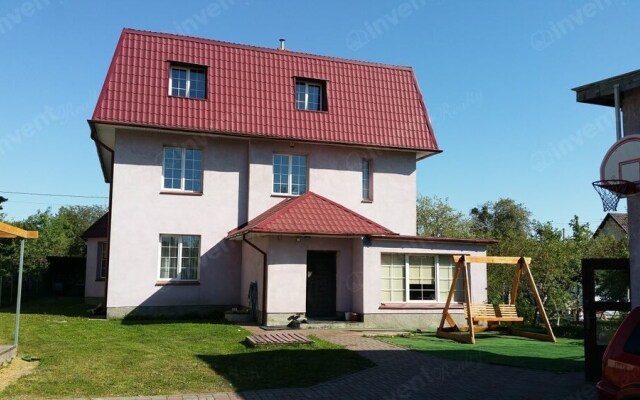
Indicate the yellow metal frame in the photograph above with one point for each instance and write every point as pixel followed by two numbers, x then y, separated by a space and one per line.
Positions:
pixel 466 334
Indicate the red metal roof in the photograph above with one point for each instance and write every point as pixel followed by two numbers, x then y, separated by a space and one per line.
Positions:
pixel 311 214
pixel 250 92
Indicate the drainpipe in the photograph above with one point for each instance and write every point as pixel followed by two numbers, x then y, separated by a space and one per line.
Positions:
pixel 616 99
pixel 264 278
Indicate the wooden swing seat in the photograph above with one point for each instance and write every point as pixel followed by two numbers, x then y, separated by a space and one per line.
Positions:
pixel 492 312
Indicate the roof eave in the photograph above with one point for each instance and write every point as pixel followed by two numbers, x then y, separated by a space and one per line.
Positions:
pixel 601 92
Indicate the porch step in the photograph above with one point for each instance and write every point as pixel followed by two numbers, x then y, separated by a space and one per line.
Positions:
pixel 7 353
pixel 239 316
pixel 277 338
pixel 320 324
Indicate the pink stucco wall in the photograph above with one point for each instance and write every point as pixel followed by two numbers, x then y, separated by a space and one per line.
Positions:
pixel 140 213
pixel 93 288
pixel 335 173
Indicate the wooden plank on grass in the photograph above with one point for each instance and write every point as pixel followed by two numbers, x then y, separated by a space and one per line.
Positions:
pixel 277 339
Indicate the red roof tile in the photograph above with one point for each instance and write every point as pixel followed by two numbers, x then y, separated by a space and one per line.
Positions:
pixel 250 92
pixel 311 214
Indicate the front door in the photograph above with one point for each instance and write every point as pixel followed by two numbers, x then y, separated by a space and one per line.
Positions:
pixel 321 284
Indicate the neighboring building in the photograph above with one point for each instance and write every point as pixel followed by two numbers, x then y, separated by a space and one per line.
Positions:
pixel 614 224
pixel 231 165
pixel 97 260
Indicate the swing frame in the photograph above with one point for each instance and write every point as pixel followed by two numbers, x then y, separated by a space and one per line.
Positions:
pixel 493 315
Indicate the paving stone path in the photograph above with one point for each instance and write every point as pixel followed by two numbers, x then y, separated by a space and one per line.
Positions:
pixel 403 374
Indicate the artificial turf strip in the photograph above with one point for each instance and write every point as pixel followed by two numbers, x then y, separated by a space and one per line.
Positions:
pixel 99 358
pixel 566 355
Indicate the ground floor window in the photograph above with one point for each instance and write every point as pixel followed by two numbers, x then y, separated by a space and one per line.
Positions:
pixel 179 257
pixel 103 259
pixel 418 277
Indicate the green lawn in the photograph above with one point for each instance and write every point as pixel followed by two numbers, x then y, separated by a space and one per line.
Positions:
pixel 564 356
pixel 82 357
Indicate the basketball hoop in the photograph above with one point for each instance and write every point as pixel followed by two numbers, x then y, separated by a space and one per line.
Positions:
pixel 612 190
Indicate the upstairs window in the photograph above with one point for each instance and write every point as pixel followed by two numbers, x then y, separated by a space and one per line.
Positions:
pixel 188 82
pixel 182 169
pixel 310 95
pixel 367 174
pixel 289 174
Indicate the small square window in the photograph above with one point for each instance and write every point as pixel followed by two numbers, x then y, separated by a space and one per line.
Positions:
pixel 310 95
pixel 188 82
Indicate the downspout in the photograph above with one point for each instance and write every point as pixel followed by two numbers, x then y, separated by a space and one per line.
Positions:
pixel 94 136
pixel 616 99
pixel 264 278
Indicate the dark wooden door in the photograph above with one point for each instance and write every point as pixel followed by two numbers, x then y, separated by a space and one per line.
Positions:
pixel 321 284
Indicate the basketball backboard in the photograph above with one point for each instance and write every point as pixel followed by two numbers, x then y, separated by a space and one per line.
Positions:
pixel 622 161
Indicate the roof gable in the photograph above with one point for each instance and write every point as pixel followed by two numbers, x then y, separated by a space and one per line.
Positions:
pixel 99 229
pixel 311 214
pixel 250 92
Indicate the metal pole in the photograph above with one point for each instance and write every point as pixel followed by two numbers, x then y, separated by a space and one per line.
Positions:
pixel 616 100
pixel 15 338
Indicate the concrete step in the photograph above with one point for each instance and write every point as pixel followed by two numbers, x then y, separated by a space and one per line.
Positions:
pixel 7 353
pixel 332 325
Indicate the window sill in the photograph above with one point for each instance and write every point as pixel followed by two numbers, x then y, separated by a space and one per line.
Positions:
pixel 181 193
pixel 367 201
pixel 178 283
pixel 418 306
pixel 283 195
pixel 313 111
pixel 187 98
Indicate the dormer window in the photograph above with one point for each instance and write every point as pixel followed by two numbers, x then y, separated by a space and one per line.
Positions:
pixel 310 95
pixel 188 82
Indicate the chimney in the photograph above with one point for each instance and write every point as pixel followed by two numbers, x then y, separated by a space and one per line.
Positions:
pixel 281 47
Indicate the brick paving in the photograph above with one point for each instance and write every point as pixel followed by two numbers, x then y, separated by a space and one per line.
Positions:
pixel 402 374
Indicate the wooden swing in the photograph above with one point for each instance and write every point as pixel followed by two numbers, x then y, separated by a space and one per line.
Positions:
pixel 490 314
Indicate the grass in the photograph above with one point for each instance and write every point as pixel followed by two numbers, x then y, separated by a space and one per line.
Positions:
pixel 567 355
pixel 81 357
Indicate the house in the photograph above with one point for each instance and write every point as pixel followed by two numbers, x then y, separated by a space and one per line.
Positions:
pixel 234 167
pixel 613 224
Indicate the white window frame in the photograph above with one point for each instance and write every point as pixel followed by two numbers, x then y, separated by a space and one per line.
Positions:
pixel 179 265
pixel 290 174
pixel 183 163
pixel 306 95
pixel 407 277
pixel 188 70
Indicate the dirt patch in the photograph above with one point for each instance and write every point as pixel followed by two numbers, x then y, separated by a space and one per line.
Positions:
pixel 14 371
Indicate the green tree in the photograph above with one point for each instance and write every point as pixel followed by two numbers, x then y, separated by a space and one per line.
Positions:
pixel 509 223
pixel 436 218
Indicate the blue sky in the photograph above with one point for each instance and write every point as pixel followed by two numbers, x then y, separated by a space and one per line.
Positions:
pixel 496 78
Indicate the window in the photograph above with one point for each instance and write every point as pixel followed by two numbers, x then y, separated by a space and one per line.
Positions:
pixel 310 96
pixel 188 82
pixel 367 193
pixel 182 169
pixel 179 257
pixel 429 278
pixel 289 174
pixel 103 259
pixel 392 284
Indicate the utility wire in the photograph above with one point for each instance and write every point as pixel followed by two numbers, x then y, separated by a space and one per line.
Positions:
pixel 55 195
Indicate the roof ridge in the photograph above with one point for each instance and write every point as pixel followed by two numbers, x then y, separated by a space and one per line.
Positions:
pixel 267 49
